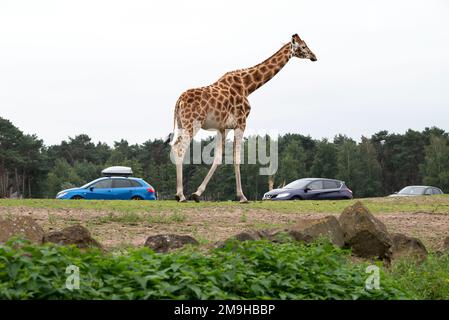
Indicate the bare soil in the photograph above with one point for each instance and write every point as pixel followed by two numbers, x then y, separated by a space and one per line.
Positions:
pixel 209 225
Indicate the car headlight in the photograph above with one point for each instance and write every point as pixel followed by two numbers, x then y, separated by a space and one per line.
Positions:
pixel 61 194
pixel 283 195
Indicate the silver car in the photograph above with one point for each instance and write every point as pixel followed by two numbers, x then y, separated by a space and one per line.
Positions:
pixel 410 191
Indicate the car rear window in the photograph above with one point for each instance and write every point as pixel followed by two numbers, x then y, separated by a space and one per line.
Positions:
pixel 436 191
pixel 331 185
pixel 122 183
pixel 135 184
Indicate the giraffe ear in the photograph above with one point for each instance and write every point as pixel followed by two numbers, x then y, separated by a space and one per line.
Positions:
pixel 295 37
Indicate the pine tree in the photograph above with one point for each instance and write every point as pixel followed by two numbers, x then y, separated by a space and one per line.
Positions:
pixel 436 164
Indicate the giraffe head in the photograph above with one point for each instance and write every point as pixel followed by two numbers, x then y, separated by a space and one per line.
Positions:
pixel 300 49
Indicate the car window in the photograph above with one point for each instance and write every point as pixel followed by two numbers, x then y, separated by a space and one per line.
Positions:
pixel 331 185
pixel 428 191
pixel 436 191
pixel 413 190
pixel 315 185
pixel 121 183
pixel 103 184
pixel 135 183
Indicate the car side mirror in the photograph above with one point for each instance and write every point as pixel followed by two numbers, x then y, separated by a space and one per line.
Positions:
pixel 307 189
pixel 91 188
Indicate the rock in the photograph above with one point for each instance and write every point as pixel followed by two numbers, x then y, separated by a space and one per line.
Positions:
pixel 73 235
pixel 404 246
pixel 22 226
pixel 366 235
pixel 446 245
pixel 165 242
pixel 249 235
pixel 252 235
pixel 309 230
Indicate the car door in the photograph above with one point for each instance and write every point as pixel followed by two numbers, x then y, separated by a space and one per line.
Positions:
pixel 331 190
pixel 314 190
pixel 121 189
pixel 101 190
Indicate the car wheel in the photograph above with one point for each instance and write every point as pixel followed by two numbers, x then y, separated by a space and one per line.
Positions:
pixel 136 198
pixel 77 198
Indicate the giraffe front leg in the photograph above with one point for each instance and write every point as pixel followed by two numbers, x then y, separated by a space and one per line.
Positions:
pixel 220 142
pixel 238 138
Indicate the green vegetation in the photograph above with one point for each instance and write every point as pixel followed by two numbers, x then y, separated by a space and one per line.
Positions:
pixel 249 270
pixel 375 166
pixel 433 204
pixel 429 280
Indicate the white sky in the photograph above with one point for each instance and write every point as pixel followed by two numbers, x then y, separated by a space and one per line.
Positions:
pixel 114 69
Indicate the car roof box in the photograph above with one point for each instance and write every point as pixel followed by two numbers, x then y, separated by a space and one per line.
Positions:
pixel 117 171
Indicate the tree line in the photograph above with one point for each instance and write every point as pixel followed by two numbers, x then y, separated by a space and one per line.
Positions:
pixel 374 166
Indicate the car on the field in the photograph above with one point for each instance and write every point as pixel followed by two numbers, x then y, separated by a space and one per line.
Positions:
pixel 311 189
pixel 411 191
pixel 116 185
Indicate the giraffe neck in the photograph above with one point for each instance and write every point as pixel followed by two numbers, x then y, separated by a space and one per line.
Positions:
pixel 257 76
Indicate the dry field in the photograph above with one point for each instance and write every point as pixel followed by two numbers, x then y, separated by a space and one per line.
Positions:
pixel 118 224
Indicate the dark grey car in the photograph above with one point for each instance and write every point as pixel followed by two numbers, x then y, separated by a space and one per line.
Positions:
pixel 311 189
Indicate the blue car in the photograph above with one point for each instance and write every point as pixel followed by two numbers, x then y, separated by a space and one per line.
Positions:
pixel 311 189
pixel 111 188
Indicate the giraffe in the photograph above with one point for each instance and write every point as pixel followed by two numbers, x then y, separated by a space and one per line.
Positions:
pixel 224 106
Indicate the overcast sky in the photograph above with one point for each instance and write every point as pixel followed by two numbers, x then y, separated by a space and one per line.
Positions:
pixel 114 69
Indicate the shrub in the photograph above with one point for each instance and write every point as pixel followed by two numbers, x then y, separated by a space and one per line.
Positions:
pixel 248 270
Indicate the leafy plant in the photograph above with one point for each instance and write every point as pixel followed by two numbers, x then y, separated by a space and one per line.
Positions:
pixel 249 270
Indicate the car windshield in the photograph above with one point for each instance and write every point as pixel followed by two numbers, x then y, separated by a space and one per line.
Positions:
pixel 89 183
pixel 412 190
pixel 298 184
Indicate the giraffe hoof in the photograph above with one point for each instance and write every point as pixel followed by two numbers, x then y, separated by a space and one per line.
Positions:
pixel 179 199
pixel 244 200
pixel 195 197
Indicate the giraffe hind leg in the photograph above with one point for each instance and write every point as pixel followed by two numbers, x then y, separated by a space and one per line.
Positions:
pixel 238 136
pixel 179 150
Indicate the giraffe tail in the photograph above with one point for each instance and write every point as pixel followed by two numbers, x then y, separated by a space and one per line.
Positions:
pixel 170 137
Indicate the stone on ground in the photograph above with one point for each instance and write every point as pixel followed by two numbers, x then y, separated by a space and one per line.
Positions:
pixel 446 245
pixel 309 230
pixel 252 235
pixel 408 247
pixel 21 226
pixel 73 235
pixel 366 235
pixel 166 242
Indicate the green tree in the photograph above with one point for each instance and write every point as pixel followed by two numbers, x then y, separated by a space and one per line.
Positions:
pixel 292 164
pixel 325 161
pixel 348 161
pixel 61 176
pixel 436 165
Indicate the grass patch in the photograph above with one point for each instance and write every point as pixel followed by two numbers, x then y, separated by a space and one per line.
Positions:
pixel 428 280
pixel 433 204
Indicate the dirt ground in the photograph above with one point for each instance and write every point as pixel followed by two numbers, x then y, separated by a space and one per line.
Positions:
pixel 208 225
